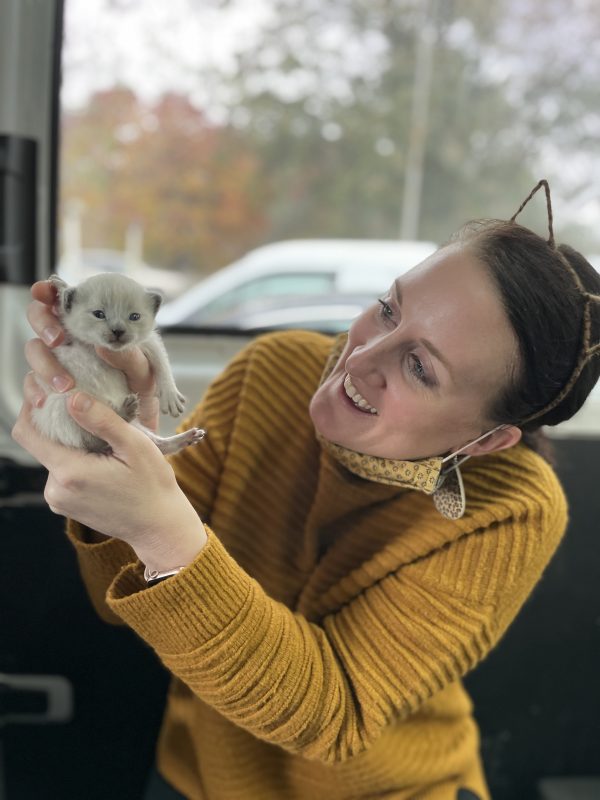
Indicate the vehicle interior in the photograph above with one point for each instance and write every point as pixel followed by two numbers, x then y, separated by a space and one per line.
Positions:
pixel 85 88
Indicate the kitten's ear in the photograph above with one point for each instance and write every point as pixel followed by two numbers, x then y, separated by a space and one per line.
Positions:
pixel 57 282
pixel 67 298
pixel 66 293
pixel 155 299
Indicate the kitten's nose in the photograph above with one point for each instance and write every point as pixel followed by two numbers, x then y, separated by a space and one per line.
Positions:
pixel 118 333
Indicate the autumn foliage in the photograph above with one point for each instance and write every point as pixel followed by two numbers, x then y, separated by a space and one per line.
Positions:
pixel 193 187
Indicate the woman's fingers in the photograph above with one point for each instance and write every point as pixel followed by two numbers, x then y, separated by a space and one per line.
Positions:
pixel 32 392
pixel 140 380
pixel 45 324
pixel 41 316
pixel 134 364
pixel 43 362
pixel 45 292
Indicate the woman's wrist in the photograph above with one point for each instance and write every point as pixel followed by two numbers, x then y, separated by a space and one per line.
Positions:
pixel 178 551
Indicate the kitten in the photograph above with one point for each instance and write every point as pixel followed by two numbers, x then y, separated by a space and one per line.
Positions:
pixel 115 312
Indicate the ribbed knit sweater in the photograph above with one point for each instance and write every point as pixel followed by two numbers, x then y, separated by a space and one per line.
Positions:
pixel 318 640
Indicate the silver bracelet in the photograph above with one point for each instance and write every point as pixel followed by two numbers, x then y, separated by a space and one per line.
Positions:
pixel 153 576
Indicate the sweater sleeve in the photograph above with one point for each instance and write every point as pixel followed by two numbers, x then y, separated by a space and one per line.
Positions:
pixel 327 690
pixel 197 470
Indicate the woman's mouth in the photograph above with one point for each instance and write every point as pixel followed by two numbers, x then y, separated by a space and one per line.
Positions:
pixel 357 399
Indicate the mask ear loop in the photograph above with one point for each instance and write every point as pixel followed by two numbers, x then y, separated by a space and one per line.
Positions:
pixel 449 495
pixel 458 461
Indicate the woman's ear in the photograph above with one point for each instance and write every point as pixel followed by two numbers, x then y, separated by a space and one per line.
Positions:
pixel 506 436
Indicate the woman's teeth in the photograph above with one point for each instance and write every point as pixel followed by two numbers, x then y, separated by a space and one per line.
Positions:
pixel 357 398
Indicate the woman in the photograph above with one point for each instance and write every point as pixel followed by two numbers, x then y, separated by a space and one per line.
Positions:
pixel 318 636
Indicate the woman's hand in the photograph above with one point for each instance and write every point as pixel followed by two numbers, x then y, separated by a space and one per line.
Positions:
pixel 131 494
pixel 43 318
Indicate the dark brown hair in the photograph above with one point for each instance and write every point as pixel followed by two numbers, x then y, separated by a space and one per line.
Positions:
pixel 546 310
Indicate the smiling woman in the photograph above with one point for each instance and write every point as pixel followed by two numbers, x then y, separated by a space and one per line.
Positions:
pixel 316 609
pixel 320 611
pixel 418 359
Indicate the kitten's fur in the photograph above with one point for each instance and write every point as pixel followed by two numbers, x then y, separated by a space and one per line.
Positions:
pixel 115 312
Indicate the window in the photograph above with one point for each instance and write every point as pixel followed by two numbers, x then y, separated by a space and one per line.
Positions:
pixel 194 132
pixel 250 295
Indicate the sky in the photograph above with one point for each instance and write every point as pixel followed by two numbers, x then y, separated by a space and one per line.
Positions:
pixel 148 44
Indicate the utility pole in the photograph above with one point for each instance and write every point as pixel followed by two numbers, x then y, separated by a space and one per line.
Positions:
pixel 419 118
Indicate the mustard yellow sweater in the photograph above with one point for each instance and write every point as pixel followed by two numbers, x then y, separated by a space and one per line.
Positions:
pixel 318 641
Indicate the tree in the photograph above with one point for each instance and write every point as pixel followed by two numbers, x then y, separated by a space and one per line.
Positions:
pixel 326 100
pixel 315 118
pixel 192 186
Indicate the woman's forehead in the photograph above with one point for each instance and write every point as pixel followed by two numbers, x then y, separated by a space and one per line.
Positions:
pixel 454 278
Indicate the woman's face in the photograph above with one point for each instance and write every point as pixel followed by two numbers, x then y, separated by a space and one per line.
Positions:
pixel 427 358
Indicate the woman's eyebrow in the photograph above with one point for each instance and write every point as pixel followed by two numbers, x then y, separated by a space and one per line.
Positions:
pixel 425 342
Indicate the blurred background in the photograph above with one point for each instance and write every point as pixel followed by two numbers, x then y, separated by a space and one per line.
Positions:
pixel 196 130
pixel 277 163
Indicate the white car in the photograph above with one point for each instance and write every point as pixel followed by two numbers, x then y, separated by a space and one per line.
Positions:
pixel 292 268
pixel 328 313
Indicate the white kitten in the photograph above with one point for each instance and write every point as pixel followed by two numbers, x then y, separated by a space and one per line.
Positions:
pixel 115 312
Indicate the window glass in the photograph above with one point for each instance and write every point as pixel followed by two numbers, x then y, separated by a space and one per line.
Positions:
pixel 268 287
pixel 248 296
pixel 197 131
pixel 194 132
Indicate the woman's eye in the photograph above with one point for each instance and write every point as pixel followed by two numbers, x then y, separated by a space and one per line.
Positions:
pixel 134 317
pixel 386 311
pixel 417 369
pixel 99 314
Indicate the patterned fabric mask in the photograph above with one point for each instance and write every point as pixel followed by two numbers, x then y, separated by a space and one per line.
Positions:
pixel 438 476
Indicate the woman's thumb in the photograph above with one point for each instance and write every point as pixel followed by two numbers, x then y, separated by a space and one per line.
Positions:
pixel 99 419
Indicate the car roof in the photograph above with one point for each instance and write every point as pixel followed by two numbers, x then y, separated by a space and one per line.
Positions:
pixel 326 251
pixel 358 265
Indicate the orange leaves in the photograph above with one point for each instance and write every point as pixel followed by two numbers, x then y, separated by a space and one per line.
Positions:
pixel 194 187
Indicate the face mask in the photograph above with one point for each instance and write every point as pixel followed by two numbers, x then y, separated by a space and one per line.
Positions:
pixel 438 476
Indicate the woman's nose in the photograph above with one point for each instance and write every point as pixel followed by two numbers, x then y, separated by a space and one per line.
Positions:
pixel 368 362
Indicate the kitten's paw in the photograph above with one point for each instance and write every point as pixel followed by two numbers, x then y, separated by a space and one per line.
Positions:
pixel 173 444
pixel 195 435
pixel 172 402
pixel 130 408
pixel 189 437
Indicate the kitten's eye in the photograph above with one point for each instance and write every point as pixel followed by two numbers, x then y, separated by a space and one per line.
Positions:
pixel 134 317
pixel 99 314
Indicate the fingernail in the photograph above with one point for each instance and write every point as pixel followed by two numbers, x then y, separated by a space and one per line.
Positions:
pixel 82 402
pixel 38 400
pixel 60 383
pixel 50 335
